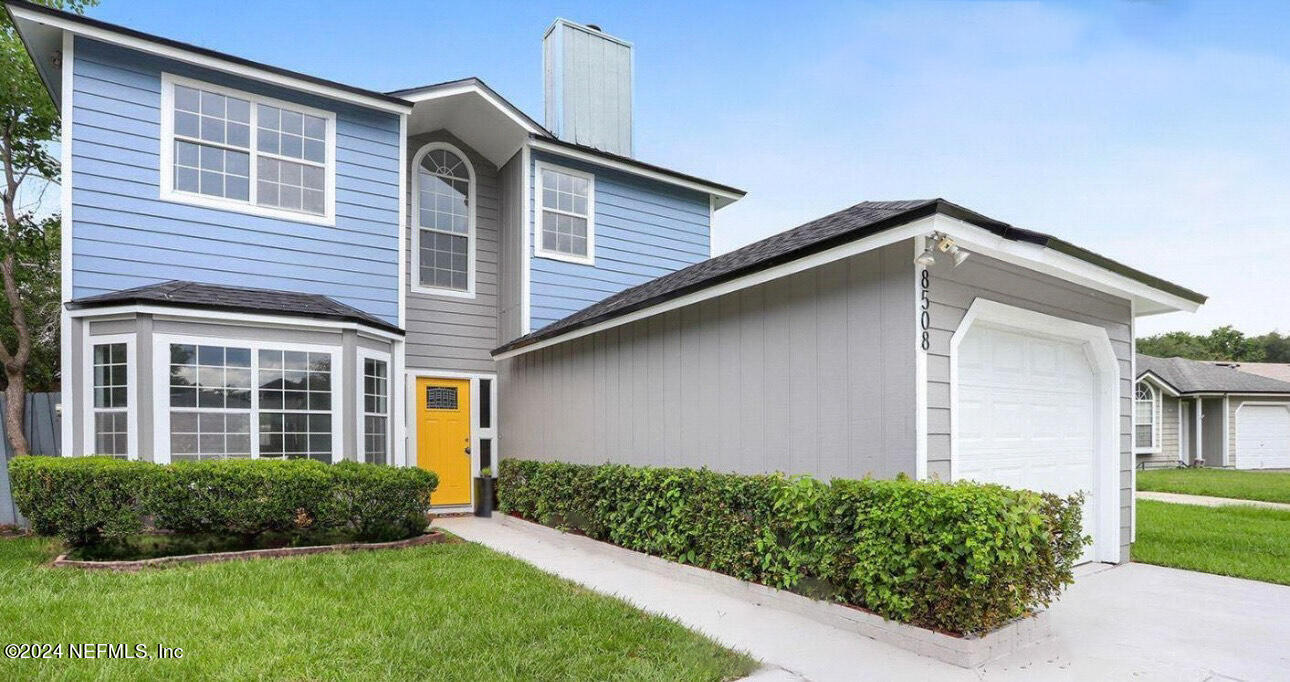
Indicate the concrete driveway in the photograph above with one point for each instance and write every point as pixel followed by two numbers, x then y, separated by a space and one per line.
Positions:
pixel 1135 621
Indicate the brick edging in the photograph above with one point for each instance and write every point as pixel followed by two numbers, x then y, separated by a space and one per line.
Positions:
pixel 214 557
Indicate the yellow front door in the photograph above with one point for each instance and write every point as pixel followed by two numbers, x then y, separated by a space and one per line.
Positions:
pixel 443 436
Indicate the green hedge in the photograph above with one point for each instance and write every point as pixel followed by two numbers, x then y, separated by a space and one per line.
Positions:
pixel 92 500
pixel 961 557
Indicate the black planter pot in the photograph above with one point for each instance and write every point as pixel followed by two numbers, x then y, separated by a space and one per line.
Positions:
pixel 484 496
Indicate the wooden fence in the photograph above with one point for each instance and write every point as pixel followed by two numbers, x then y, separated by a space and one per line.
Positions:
pixel 44 437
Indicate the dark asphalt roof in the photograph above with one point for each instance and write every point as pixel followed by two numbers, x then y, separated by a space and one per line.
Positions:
pixel 115 28
pixel 636 162
pixel 862 220
pixel 234 299
pixel 1198 376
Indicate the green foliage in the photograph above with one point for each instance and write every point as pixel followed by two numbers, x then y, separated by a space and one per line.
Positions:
pixel 94 500
pixel 36 274
pixel 85 500
pixel 1222 343
pixel 959 557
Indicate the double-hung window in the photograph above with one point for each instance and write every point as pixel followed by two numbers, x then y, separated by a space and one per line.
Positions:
pixel 111 400
pixel 376 410
pixel 229 149
pixel 1146 418
pixel 566 216
pixel 444 214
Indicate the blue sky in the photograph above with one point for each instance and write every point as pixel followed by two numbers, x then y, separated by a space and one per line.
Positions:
pixel 1156 133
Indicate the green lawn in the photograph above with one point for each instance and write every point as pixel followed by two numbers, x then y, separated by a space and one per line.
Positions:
pixel 1268 486
pixel 451 612
pixel 1245 542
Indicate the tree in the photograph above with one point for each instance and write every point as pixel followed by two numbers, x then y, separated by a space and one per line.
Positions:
pixel 29 123
pixel 1222 343
pixel 1174 345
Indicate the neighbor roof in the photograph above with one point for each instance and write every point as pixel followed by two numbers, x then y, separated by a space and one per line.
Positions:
pixel 1197 376
pixel 180 294
pixel 1272 370
pixel 859 221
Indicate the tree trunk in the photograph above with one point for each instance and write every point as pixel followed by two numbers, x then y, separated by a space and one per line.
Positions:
pixel 15 395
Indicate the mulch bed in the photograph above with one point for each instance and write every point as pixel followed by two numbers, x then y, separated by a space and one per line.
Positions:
pixel 432 537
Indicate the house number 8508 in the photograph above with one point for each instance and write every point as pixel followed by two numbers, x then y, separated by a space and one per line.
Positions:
pixel 924 306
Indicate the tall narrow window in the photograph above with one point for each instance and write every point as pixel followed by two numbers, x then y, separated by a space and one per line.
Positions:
pixel 566 223
pixel 1146 417
pixel 444 213
pixel 295 404
pixel 111 397
pixel 376 408
pixel 485 403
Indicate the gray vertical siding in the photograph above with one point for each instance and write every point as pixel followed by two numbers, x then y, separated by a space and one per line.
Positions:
pixel 511 259
pixel 812 373
pixel 41 425
pixel 444 332
pixel 952 290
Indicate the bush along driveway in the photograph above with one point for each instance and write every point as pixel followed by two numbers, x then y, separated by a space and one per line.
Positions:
pixel 961 558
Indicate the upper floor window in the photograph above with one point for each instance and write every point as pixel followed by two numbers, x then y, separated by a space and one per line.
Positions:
pixel 444 213
pixel 229 149
pixel 1146 418
pixel 566 222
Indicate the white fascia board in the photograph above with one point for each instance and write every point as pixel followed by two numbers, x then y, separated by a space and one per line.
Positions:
pixel 221 317
pixel 505 107
pixel 1048 261
pixel 723 197
pixel 918 227
pixel 1157 381
pixel 207 61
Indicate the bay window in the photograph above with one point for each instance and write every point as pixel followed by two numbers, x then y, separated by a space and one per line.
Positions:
pixel 110 400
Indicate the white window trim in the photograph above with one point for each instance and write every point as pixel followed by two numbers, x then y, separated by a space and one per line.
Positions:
pixel 169 193
pixel 131 390
pixel 415 221
pixel 360 406
pixel 538 251
pixel 161 388
pixel 1156 413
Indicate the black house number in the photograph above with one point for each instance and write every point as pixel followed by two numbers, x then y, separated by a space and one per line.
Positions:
pixel 924 312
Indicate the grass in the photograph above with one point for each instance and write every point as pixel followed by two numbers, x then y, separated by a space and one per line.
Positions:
pixel 1244 542
pixel 450 611
pixel 1268 486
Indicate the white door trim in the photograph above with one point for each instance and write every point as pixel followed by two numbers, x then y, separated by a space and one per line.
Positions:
pixel 1097 346
pixel 476 432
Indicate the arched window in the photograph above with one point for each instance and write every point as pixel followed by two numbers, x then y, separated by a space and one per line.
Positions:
pixel 1146 418
pixel 443 211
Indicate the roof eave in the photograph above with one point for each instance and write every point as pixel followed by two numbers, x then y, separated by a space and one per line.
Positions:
pixel 127 302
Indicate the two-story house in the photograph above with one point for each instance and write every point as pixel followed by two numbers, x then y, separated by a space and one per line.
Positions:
pixel 260 263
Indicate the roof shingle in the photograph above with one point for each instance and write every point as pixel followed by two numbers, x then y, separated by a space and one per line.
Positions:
pixel 1199 376
pixel 178 293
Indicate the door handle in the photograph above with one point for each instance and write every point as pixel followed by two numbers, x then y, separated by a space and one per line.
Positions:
pixel 468 449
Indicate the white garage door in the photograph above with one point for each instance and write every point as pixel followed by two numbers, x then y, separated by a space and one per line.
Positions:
pixel 1027 414
pixel 1262 437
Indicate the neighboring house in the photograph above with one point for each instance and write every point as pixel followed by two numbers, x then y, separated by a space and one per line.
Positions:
pixel 1216 413
pixel 261 263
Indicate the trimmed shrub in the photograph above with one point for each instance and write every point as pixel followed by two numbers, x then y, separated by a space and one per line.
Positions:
pixel 84 500
pixel 959 557
pixel 93 500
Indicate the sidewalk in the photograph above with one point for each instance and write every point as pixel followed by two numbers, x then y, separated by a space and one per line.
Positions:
pixel 1114 623
pixel 1203 501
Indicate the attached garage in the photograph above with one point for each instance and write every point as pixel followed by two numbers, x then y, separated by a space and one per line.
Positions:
pixel 1263 436
pixel 1035 406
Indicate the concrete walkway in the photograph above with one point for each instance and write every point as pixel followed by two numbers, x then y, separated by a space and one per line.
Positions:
pixel 1205 501
pixel 1135 621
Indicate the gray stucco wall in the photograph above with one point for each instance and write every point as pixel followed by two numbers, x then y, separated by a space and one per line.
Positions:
pixel 445 332
pixel 812 373
pixel 952 290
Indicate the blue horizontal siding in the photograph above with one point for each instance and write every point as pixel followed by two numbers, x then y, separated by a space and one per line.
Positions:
pixel 644 229
pixel 125 236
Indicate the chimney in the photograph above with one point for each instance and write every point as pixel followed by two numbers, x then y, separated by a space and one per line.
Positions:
pixel 588 86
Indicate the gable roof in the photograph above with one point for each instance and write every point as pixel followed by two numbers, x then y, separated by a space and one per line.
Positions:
pixel 96 28
pixel 419 93
pixel 848 225
pixel 1198 376
pixel 181 294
